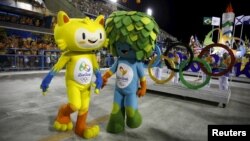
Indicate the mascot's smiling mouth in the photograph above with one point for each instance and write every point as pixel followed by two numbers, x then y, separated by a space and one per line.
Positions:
pixel 124 51
pixel 92 42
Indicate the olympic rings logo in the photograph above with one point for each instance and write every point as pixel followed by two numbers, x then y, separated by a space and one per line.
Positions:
pixel 228 57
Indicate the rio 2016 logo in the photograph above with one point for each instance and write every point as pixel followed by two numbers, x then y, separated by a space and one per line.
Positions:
pixel 84 67
pixel 123 71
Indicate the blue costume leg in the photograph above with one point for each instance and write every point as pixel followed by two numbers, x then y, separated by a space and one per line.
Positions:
pixel 117 117
pixel 134 118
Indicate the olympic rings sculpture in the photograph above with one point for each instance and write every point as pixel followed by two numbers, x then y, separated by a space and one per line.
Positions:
pixel 204 66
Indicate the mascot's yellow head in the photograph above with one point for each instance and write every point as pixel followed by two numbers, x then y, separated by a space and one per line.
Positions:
pixel 79 34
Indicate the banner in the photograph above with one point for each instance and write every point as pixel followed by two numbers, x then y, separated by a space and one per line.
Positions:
pixel 216 21
pixel 239 20
pixel 207 21
pixel 247 20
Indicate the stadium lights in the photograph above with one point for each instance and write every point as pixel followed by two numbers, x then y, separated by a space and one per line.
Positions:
pixel 149 11
pixel 113 1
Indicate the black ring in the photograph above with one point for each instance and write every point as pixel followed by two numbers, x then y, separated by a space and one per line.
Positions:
pixel 187 48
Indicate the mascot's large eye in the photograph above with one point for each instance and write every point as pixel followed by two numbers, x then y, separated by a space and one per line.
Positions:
pixel 100 35
pixel 83 36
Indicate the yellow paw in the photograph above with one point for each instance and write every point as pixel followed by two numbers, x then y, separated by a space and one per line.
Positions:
pixel 91 132
pixel 63 127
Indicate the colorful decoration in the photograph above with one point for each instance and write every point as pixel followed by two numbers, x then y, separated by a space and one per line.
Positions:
pixel 78 38
pixel 227 21
pixel 132 37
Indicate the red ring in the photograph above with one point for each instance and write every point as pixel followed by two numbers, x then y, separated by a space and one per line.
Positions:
pixel 230 52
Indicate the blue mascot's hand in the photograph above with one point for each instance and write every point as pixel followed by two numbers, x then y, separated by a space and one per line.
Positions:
pixel 46 81
pixel 98 81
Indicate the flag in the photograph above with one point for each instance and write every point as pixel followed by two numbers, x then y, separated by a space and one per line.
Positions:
pixel 247 20
pixel 216 21
pixel 207 20
pixel 239 20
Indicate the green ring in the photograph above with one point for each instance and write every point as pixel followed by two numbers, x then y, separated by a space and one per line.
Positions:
pixel 190 85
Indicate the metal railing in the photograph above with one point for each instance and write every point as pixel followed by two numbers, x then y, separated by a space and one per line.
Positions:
pixel 18 60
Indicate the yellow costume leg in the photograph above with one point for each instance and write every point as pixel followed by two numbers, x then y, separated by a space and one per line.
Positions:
pixel 63 121
pixel 81 127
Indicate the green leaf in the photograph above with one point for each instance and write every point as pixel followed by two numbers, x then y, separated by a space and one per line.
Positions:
pixel 145 20
pixel 134 47
pixel 153 35
pixel 133 37
pixel 109 29
pixel 126 21
pixel 148 48
pixel 119 13
pixel 118 25
pixel 116 19
pixel 149 53
pixel 139 26
pixel 108 21
pixel 150 26
pixel 142 14
pixel 145 33
pixel 139 55
pixel 156 28
pixel 129 41
pixel 136 18
pixel 117 37
pixel 124 31
pixel 131 12
pixel 130 27
pixel 142 43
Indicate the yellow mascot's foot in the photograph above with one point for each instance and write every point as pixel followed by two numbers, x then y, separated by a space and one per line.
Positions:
pixel 91 132
pixel 63 127
pixel 63 121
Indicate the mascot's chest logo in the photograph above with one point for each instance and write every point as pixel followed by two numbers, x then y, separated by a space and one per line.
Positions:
pixel 83 71
pixel 124 75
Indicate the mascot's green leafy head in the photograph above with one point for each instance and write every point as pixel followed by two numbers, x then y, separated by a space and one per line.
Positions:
pixel 137 29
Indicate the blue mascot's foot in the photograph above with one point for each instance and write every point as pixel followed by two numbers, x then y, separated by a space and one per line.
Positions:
pixel 134 121
pixel 116 122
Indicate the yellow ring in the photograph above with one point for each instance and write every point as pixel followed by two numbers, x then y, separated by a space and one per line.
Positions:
pixel 153 77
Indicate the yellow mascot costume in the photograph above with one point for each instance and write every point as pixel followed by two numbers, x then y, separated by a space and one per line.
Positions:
pixel 78 39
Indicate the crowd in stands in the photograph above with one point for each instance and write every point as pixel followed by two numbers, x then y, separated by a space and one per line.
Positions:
pixel 93 7
pixel 25 20
pixel 26 53
pixel 18 53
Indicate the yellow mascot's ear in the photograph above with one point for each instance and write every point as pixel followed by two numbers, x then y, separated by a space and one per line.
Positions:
pixel 100 20
pixel 62 18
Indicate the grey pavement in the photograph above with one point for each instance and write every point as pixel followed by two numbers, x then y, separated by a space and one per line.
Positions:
pixel 27 115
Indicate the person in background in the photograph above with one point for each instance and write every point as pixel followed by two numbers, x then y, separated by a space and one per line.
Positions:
pixel 53 58
pixel 33 58
pixel 26 52
pixel 3 57
pixel 98 57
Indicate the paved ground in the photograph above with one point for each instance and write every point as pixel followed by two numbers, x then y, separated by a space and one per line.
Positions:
pixel 26 115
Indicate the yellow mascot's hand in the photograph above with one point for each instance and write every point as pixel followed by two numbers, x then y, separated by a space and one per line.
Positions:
pixel 44 93
pixel 97 91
